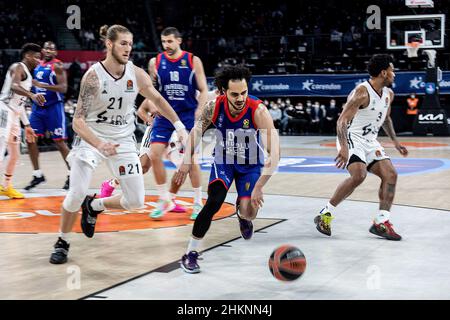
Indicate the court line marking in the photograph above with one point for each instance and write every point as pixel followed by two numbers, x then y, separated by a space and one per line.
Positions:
pixel 174 262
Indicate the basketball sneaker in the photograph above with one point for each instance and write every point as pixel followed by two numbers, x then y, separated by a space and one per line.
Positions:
pixel 11 193
pixel 107 189
pixel 88 217
pixel 59 256
pixel 246 227
pixel 385 230
pixel 67 183
pixel 162 208
pixel 196 210
pixel 323 222
pixel 189 262
pixel 178 208
pixel 36 181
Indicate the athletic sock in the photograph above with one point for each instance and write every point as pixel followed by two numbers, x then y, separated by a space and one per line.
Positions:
pixel 198 195
pixel 194 244
pixel 37 173
pixel 163 192
pixel 382 216
pixel 330 208
pixel 64 236
pixel 97 205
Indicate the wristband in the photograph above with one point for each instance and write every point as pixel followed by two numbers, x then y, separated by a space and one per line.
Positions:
pixel 179 125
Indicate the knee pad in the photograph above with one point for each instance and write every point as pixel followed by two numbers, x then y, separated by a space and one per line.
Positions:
pixel 72 202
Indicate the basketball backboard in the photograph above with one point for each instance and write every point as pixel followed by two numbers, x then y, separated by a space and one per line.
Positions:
pixel 428 29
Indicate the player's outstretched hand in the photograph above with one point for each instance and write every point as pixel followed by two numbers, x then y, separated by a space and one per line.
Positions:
pixel 108 148
pixel 342 158
pixel 38 98
pixel 181 174
pixel 402 149
pixel 257 198
pixel 30 136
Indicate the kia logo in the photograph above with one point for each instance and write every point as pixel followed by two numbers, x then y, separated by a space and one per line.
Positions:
pixel 431 117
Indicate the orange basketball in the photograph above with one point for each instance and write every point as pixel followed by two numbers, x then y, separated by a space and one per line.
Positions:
pixel 287 263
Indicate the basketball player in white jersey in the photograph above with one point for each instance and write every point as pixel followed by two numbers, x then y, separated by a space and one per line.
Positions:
pixel 104 121
pixel 367 110
pixel 14 94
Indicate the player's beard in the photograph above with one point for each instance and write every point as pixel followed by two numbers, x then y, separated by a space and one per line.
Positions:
pixel 119 59
pixel 236 107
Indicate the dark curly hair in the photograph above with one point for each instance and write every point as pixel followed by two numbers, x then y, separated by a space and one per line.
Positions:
pixel 226 74
pixel 378 63
pixel 29 47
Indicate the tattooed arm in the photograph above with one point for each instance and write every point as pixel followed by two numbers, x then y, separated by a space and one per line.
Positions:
pixel 89 89
pixel 388 127
pixel 359 98
pixel 194 139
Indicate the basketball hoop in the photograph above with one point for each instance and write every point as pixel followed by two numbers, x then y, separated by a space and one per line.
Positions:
pixel 413 48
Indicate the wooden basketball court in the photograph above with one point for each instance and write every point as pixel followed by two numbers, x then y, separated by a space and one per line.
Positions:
pixel 131 252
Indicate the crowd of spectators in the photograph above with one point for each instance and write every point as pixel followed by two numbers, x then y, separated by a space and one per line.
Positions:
pixel 304 116
pixel 19 23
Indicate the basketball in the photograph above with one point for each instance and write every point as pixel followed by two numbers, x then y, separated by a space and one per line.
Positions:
pixel 287 263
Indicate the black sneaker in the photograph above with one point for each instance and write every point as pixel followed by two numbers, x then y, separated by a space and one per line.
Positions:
pixel 36 181
pixel 189 262
pixel 67 184
pixel 59 256
pixel 246 227
pixel 88 217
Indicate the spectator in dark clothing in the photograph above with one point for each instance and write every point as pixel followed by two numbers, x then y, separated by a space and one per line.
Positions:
pixel 73 79
pixel 300 119
pixel 331 117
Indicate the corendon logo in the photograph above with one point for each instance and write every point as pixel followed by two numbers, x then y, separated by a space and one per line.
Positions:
pixel 259 86
pixel 431 117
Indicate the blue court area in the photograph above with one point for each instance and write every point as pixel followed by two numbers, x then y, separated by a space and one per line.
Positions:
pixel 404 166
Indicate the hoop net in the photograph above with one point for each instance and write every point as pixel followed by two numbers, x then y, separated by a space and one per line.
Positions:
pixel 413 48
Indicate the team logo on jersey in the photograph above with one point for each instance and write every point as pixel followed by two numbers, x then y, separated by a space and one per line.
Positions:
pixel 246 124
pixel 129 85
pixel 122 170
pixel 378 153
pixel 183 63
pixel 247 186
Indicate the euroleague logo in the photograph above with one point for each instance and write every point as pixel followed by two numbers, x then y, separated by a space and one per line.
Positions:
pixel 42 215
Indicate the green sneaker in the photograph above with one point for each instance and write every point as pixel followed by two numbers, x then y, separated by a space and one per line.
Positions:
pixel 196 210
pixel 323 222
pixel 162 208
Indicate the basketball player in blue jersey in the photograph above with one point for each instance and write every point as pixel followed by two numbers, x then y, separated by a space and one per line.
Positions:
pixel 242 123
pixel 178 75
pixel 49 79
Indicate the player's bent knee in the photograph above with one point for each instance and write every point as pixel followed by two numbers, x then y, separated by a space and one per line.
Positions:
pixel 213 204
pixel 72 202
pixel 358 178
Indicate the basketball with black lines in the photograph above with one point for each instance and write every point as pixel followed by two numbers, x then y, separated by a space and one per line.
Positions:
pixel 287 263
